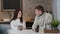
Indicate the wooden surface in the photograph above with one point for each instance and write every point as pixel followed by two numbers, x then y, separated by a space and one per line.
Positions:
pixel 51 31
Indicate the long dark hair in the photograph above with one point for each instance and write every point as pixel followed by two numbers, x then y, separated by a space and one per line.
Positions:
pixel 39 7
pixel 16 13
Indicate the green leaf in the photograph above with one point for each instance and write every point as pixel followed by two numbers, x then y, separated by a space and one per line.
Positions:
pixel 55 23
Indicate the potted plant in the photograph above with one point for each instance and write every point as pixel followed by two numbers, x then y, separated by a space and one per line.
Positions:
pixel 54 24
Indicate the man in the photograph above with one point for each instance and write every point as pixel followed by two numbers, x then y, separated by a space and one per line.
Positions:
pixel 41 18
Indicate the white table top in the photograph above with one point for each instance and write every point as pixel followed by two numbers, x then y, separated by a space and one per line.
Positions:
pixel 27 31
pixel 23 32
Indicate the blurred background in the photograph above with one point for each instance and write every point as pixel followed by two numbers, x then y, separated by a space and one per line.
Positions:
pixel 7 8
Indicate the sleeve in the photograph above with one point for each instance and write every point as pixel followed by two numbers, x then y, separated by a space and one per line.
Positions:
pixel 24 24
pixel 12 25
pixel 49 18
pixel 34 24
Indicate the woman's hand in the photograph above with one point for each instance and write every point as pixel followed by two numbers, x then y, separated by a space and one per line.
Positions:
pixel 32 29
pixel 24 28
pixel 20 28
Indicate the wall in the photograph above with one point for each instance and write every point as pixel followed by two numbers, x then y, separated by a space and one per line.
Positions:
pixel 28 8
pixel 54 6
pixel 58 9
pixel 29 5
pixel 3 14
pixel 0 7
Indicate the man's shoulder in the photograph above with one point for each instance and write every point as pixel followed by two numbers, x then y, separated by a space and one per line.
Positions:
pixel 48 14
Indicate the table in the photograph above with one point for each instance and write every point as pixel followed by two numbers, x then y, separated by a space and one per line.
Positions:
pixel 27 31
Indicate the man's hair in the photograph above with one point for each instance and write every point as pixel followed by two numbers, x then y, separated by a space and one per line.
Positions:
pixel 39 7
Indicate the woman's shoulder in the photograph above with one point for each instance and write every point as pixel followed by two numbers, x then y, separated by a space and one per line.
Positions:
pixel 12 21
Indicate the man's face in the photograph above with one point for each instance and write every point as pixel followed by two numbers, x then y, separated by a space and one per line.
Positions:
pixel 38 12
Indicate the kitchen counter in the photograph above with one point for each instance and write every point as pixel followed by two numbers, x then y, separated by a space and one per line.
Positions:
pixel 4 22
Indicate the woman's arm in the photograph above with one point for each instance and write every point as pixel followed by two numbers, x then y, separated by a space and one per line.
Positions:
pixel 12 25
pixel 24 25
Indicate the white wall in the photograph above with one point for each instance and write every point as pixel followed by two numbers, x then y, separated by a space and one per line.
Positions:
pixel 54 6
pixel 58 9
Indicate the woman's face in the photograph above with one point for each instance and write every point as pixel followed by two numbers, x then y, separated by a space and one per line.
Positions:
pixel 19 14
pixel 38 12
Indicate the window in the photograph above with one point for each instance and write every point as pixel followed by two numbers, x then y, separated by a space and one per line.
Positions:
pixel 11 5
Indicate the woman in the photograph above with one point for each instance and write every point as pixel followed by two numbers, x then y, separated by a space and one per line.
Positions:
pixel 41 18
pixel 17 21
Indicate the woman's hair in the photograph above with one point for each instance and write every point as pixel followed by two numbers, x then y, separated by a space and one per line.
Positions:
pixel 39 7
pixel 16 14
